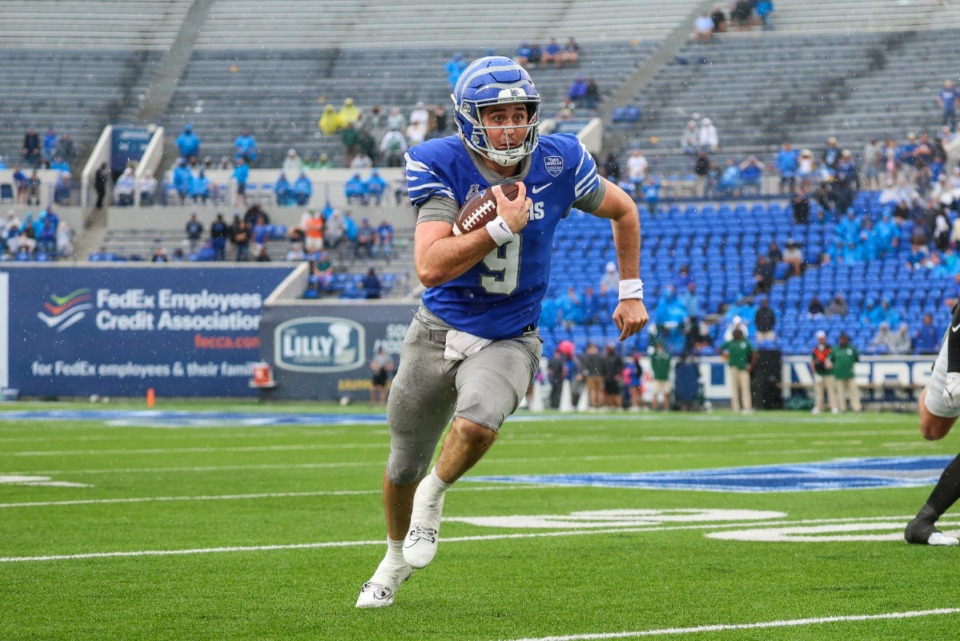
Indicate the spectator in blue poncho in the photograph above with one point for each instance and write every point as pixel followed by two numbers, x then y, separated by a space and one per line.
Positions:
pixel 571 308
pixel 376 186
pixel 303 189
pixel 578 89
pixel 200 188
pixel 241 174
pixel 188 143
pixel 455 67
pixel 245 146
pixel 283 191
pixel 182 180
pixel 788 162
pixel 355 190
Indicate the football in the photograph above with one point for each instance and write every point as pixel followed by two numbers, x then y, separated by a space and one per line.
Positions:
pixel 481 209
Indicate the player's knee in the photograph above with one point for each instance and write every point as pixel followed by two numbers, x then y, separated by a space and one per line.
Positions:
pixel 403 470
pixel 933 428
pixel 473 434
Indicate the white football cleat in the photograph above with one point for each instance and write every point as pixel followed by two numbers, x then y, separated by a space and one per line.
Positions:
pixel 922 531
pixel 379 591
pixel 420 544
pixel 939 538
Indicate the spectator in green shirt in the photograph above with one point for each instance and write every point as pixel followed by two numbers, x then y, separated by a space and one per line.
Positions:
pixel 844 357
pixel 660 362
pixel 741 357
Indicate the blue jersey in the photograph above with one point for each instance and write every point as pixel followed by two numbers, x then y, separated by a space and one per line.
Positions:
pixel 500 296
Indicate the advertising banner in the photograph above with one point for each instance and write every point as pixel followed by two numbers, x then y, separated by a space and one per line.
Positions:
pixel 128 143
pixel 322 351
pixel 119 329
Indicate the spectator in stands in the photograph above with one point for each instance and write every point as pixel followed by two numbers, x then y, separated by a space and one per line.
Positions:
pixel 947 100
pixel 314 228
pixel 241 174
pixel 64 239
pixel 566 110
pixel 419 116
pixel 349 114
pixel 884 340
pixel 610 281
pixel 366 147
pixel 283 191
pixel 454 68
pixel 393 147
pixel 571 52
pixel 350 137
pixel 844 357
pixel 372 288
pixel 438 122
pixel 292 164
pixel 729 184
pixel 793 257
pixel 396 120
pixel 376 186
pixel 147 188
pixel 838 306
pixel 200 187
pixel 578 88
pixel 788 160
pixel 245 146
pixel 219 232
pixel 703 27
pixel 47 237
pixel 124 189
pixel 302 189
pixel 552 53
pixel 690 139
pixel 762 275
pixel 49 145
pixel 701 169
pixel 611 167
pixel 101 181
pixel 522 55
pixel 751 175
pixel 295 254
pixel 764 9
pixel 926 340
pixel 400 189
pixel 320 161
pixel 740 357
pixel 651 194
pixel 62 188
pixel 709 139
pixel 637 167
pixel 188 143
pixel 385 240
pixel 872 161
pixel 329 122
pixel 182 180
pixel 66 148
pixel 350 230
pixel 31 148
pixel 194 229
pixel 592 95
pixel 765 321
pixel 355 189
pixel 59 164
pixel 334 230
pixel 741 14
pixel 240 237
pixel 366 240
pixel 815 308
pixel 719 17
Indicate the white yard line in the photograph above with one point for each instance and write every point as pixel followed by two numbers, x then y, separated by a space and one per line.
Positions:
pixel 456 539
pixel 787 623
pixel 262 495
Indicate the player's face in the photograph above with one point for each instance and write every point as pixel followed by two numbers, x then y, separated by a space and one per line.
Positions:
pixel 506 125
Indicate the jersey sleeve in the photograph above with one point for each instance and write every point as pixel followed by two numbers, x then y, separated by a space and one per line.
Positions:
pixel 423 182
pixel 586 178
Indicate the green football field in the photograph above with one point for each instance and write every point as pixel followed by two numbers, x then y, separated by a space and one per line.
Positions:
pixel 252 526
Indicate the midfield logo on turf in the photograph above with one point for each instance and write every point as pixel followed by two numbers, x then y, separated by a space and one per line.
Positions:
pixel 845 474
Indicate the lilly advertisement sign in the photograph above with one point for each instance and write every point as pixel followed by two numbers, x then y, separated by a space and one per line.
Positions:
pixel 320 345
pixel 118 329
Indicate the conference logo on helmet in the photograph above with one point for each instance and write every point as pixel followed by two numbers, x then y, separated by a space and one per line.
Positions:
pixel 66 311
pixel 319 345
pixel 553 165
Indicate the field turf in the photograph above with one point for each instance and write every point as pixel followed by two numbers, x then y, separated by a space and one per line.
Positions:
pixel 133 528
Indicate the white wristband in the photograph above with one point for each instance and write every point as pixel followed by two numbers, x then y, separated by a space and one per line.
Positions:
pixel 499 231
pixel 631 288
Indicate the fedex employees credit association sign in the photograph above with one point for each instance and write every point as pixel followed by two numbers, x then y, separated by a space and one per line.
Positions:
pixel 119 329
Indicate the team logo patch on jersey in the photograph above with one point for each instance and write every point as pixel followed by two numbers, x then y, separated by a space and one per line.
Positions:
pixel 553 165
pixel 844 474
pixel 473 191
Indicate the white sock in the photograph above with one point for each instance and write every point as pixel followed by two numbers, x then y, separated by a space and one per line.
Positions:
pixel 394 551
pixel 433 487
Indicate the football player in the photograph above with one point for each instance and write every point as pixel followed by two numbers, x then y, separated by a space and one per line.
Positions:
pixel 939 409
pixel 472 349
